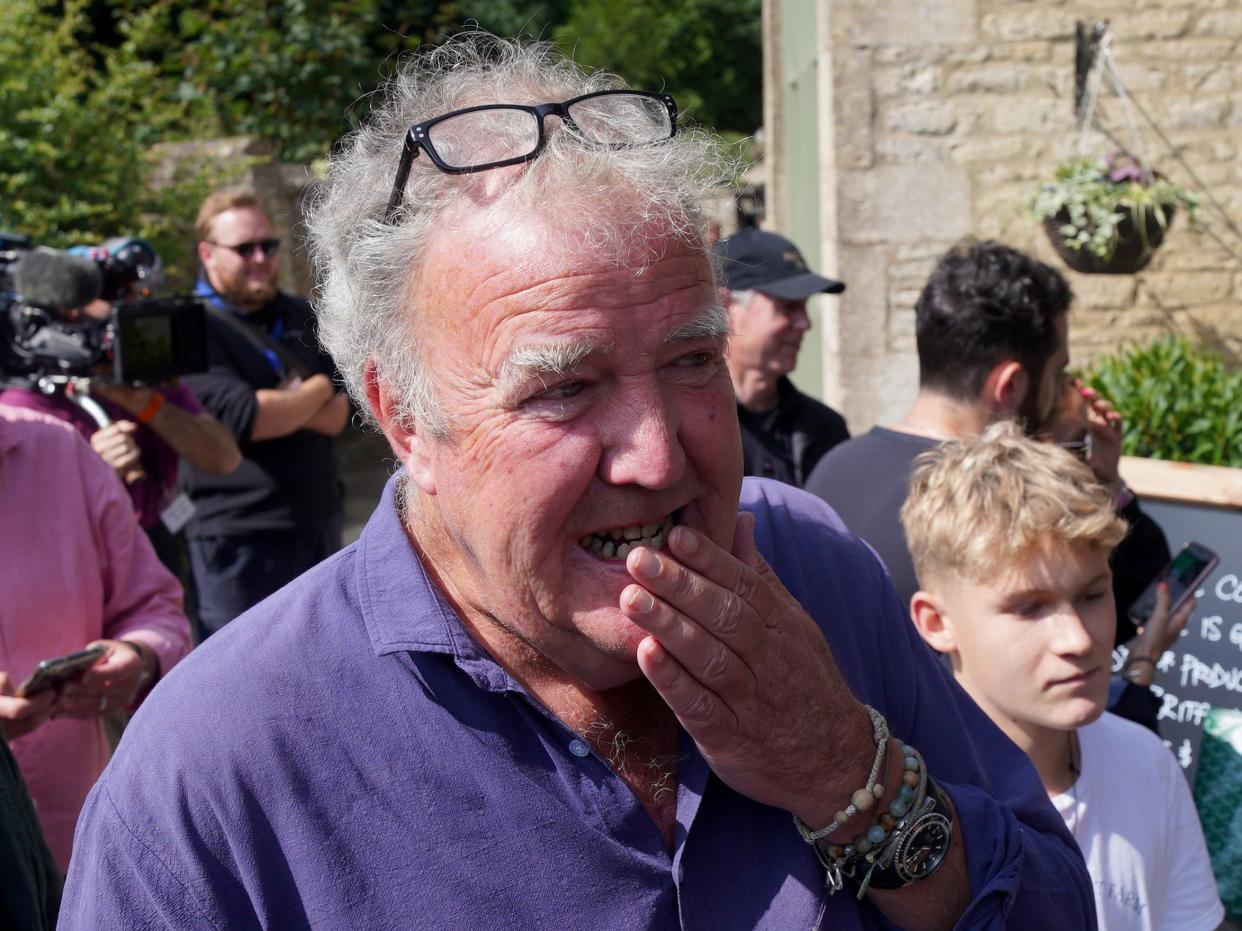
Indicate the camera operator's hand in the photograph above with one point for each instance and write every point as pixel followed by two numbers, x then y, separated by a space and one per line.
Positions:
pixel 115 444
pixel 111 684
pixel 20 716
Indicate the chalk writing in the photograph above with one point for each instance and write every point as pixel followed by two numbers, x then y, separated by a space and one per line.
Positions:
pixel 1183 711
pixel 1195 672
pixel 1229 588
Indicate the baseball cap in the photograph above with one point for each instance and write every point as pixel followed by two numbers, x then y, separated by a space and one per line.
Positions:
pixel 756 260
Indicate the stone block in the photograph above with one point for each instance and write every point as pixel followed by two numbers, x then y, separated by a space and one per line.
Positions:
pixel 922 118
pixel 917 55
pixel 903 204
pixel 1208 78
pixel 1028 51
pixel 921 253
pixel 1033 115
pixel 1019 23
pixel 1186 289
pixel 1139 77
pixel 989 79
pixel 989 149
pixel 1182 50
pixel 853 106
pixel 905 80
pixel 910 22
pixel 1092 292
pixel 1194 112
pixel 969 55
pixel 1219 23
pixel 1151 24
pixel 907 150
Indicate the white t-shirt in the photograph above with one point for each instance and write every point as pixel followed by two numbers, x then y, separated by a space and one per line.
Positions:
pixel 1135 821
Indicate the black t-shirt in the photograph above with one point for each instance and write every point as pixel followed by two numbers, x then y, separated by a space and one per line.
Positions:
pixel 787 441
pixel 29 881
pixel 286 483
pixel 866 481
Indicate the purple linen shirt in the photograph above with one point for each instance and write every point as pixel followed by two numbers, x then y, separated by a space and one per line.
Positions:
pixel 345 755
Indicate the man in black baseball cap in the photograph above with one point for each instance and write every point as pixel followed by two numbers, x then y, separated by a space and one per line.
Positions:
pixel 766 284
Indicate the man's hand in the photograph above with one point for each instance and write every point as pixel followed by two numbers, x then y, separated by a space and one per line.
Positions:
pixel 111 684
pixel 1104 422
pixel 115 444
pixel 20 716
pixel 748 674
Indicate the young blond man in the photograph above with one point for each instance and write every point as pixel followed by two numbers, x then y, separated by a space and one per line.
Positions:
pixel 1010 540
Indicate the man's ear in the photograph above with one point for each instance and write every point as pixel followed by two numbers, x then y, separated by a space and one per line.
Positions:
pixel 928 613
pixel 1006 386
pixel 410 444
pixel 204 251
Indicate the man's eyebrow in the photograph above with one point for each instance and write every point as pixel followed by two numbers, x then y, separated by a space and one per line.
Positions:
pixel 546 361
pixel 712 323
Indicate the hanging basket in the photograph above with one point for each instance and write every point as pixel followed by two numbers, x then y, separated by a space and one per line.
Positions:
pixel 1133 250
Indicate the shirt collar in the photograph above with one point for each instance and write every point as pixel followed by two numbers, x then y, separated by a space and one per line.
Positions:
pixel 403 608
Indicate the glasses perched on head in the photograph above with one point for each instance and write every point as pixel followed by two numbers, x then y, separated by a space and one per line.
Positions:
pixel 500 134
pixel 247 249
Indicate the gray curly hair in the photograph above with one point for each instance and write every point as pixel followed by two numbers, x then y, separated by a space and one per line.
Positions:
pixel 365 265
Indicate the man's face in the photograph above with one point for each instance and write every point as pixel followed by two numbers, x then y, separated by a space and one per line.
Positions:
pixel 767 333
pixel 1040 404
pixel 585 400
pixel 250 282
pixel 1033 646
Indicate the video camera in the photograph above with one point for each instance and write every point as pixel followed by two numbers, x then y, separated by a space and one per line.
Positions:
pixel 46 339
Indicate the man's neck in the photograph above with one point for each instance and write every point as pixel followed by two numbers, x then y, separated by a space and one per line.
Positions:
pixel 756 391
pixel 940 417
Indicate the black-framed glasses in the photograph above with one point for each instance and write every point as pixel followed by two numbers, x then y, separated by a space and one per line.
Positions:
pixel 247 249
pixel 498 134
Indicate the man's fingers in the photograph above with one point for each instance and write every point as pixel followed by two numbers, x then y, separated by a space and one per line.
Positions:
pixel 707 658
pixel 698 709
pixel 723 612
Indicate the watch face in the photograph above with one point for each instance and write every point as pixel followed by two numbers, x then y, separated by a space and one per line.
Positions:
pixel 924 846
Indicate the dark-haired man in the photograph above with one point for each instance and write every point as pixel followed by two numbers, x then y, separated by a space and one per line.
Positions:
pixel 991 326
pixel 765 290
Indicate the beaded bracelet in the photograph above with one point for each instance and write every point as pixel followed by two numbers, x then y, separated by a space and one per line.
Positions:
pixel 863 798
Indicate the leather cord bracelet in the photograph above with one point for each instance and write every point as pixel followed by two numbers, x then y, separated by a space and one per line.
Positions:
pixel 862 799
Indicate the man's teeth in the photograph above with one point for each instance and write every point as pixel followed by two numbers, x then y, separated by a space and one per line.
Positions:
pixel 617 542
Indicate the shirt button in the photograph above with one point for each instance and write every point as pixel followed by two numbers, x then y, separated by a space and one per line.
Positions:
pixel 579 748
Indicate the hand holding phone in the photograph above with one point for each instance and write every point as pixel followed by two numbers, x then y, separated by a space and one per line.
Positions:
pixel 53 673
pixel 20 716
pixel 1184 573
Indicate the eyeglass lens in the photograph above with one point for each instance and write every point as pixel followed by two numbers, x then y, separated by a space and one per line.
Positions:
pixel 496 134
pixel 247 249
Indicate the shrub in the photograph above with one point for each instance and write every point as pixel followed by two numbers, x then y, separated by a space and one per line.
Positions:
pixel 1180 401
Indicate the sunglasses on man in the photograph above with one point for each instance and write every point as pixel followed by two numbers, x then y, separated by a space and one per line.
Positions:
pixel 248 249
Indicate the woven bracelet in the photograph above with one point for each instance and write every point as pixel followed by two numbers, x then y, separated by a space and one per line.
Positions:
pixel 863 798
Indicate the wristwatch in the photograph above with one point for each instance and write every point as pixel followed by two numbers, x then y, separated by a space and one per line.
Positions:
pixel 922 846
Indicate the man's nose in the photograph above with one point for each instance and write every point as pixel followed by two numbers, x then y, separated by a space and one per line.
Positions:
pixel 1071 637
pixel 640 438
pixel 801 320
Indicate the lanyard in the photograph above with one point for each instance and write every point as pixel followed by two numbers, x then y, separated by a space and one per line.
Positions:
pixel 204 290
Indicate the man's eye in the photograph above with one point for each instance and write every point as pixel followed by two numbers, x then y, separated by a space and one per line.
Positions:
pixel 561 392
pixel 1094 596
pixel 1027 609
pixel 696 359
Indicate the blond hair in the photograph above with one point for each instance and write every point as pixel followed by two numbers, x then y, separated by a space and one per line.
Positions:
pixel 978 505
pixel 219 202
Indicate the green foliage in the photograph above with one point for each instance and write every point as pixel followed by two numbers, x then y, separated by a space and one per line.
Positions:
pixel 1095 194
pixel 706 53
pixel 74 139
pixel 1180 402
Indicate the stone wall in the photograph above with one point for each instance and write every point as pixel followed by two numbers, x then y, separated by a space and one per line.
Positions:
pixel 946 111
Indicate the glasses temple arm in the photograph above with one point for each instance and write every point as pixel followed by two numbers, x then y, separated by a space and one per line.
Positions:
pixel 409 152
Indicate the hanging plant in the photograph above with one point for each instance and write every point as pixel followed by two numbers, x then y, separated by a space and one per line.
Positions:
pixel 1108 216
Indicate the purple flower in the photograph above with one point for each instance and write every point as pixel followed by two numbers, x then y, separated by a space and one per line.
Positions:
pixel 1123 167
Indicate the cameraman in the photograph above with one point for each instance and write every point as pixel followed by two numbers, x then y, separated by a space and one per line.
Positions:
pixel 152 428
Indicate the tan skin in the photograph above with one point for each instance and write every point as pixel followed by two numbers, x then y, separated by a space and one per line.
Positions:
pixel 633 432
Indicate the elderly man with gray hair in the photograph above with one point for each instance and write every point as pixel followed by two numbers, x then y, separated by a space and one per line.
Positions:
pixel 575 673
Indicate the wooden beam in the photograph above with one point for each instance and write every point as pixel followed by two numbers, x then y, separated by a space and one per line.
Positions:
pixel 1182 481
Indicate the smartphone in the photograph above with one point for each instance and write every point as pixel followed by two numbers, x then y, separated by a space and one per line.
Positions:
pixel 55 672
pixel 1187 569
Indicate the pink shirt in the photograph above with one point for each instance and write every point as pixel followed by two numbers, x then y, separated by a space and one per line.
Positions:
pixel 74 567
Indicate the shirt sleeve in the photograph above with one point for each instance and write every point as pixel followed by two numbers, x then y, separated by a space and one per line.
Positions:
pixel 109 856
pixel 1191 899
pixel 228 398
pixel 142 599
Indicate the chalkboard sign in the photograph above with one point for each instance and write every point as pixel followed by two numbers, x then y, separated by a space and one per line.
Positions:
pixel 1204 668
